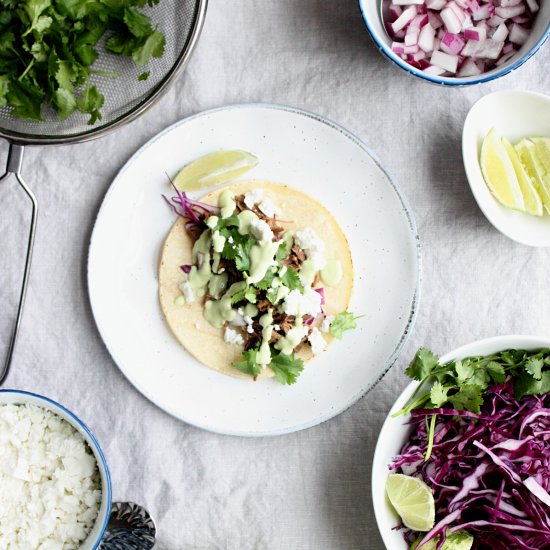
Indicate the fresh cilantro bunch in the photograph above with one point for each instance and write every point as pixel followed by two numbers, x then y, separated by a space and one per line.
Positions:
pixel 463 383
pixel 48 47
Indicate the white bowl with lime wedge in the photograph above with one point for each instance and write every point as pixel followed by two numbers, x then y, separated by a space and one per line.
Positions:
pixel 393 436
pixel 520 180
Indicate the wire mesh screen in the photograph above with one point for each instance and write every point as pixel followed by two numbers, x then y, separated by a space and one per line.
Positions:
pixel 177 20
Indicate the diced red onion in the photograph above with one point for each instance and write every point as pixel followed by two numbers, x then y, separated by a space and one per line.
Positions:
pixel 436 4
pixel 500 34
pixel 475 33
pixel 395 11
pixel 468 68
pixel 426 38
pixel 452 43
pixel 452 23
pixel 404 19
pixel 445 61
pixel 533 5
pixel 518 34
pixel 461 38
pixel 512 11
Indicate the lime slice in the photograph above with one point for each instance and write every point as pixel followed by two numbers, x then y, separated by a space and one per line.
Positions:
pixel 461 540
pixel 413 501
pixel 535 170
pixel 214 169
pixel 531 199
pixel 499 172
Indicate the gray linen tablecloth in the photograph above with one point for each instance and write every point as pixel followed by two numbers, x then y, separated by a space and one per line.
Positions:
pixel 309 490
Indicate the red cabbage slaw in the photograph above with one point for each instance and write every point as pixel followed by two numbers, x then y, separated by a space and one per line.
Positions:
pixel 490 472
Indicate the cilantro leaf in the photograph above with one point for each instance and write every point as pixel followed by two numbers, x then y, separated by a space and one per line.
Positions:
pixel 525 384
pixel 265 283
pixel 467 398
pixel 65 102
pixel 291 279
pixel 438 394
pixel 422 365
pixel 287 368
pixel 144 75
pixel 152 47
pixel 496 372
pixel 342 322
pixel 464 370
pixel 534 367
pixel 283 251
pixel 26 99
pixel 138 23
pixel 248 365
pixel 90 102
pixel 4 87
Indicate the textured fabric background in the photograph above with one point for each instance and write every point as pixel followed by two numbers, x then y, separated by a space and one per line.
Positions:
pixel 309 490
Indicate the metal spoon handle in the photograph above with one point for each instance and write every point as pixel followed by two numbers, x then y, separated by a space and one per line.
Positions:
pixel 13 167
pixel 130 527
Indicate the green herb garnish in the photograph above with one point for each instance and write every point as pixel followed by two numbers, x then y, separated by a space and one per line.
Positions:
pixel 463 383
pixel 342 322
pixel 47 48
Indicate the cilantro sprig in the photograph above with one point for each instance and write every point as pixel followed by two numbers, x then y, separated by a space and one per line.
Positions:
pixel 287 368
pixel 48 48
pixel 463 383
pixel 342 322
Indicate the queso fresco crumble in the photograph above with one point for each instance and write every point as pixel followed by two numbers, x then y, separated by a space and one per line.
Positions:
pixel 49 481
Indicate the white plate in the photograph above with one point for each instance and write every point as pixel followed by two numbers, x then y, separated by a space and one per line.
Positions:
pixel 395 432
pixel 515 115
pixel 296 148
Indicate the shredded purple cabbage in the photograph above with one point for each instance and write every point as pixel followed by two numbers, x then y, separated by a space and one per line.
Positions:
pixel 490 472
pixel 193 211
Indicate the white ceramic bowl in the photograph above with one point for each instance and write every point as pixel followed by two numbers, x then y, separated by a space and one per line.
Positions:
pixel 540 32
pixel 515 115
pixel 394 432
pixel 21 398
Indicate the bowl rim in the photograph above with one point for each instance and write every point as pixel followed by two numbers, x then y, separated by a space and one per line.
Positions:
pixel 91 439
pixel 450 81
pixel 470 167
pixel 529 341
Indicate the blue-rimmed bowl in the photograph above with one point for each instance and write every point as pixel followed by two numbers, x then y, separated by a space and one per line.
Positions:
pixel 15 397
pixel 539 33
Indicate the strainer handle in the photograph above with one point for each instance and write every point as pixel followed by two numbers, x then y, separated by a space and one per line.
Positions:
pixel 13 167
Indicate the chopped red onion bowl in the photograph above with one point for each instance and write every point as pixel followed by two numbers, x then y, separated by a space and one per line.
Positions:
pixel 458 38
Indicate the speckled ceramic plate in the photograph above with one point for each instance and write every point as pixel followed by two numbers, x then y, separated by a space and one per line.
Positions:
pixel 296 148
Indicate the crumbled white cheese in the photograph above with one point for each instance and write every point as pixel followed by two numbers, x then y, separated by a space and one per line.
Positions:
pixel 187 291
pixel 252 198
pixel 308 303
pixel 249 329
pixel 198 325
pixel 260 231
pixel 327 321
pixel 276 327
pixel 50 485
pixel 267 207
pixel 312 245
pixel 231 336
pixel 317 341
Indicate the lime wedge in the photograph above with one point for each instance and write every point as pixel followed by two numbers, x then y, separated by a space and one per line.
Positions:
pixel 499 172
pixel 461 540
pixel 214 169
pixel 531 199
pixel 413 501
pixel 535 170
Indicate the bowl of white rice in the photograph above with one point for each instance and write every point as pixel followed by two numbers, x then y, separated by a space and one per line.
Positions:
pixel 55 489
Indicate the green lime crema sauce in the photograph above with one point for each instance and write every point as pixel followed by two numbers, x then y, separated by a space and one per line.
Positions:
pixel 294 336
pixel 262 256
pixel 332 273
pixel 217 312
pixel 218 241
pixel 307 272
pixel 199 277
pixel 264 353
pixel 212 221
pixel 250 310
pixel 227 204
pixel 245 218
pixel 217 284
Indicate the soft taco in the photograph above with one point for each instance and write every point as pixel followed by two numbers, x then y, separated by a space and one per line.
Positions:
pixel 255 279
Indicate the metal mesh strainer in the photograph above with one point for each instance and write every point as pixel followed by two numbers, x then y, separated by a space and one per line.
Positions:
pixel 125 99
